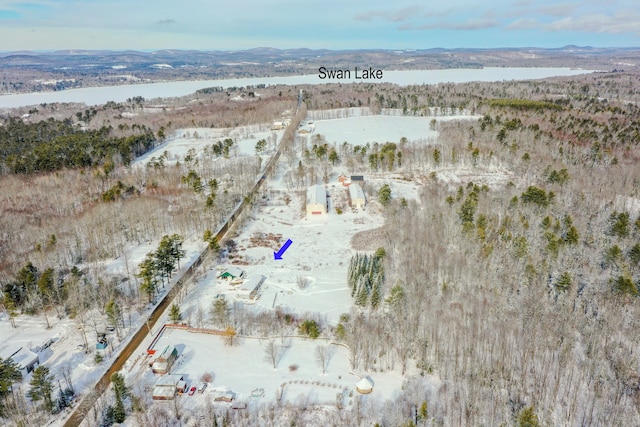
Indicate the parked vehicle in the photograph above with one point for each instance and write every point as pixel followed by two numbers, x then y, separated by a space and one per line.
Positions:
pixel 202 387
pixel 192 391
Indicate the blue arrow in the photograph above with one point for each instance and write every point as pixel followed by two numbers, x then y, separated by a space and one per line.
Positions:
pixel 278 255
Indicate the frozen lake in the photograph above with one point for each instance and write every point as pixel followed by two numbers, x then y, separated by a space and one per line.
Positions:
pixel 101 95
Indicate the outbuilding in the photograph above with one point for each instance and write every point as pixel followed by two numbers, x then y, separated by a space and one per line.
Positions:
pixel 356 194
pixel 251 287
pixel 163 363
pixel 233 273
pixel 364 386
pixel 166 387
pixel 316 200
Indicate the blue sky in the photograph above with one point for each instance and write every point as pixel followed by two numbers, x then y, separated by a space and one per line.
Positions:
pixel 331 24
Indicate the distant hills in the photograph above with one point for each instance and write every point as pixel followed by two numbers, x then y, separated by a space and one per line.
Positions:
pixel 104 67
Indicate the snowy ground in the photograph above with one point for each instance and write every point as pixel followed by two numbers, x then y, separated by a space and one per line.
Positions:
pixel 183 140
pixel 243 369
pixel 319 256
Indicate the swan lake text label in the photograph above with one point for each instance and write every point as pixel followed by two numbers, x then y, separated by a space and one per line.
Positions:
pixel 360 74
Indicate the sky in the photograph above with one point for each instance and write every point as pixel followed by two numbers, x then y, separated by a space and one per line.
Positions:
pixel 315 24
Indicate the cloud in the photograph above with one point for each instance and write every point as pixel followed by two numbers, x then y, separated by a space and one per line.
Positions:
pixel 619 23
pixel 399 15
pixel 560 9
pixel 166 22
pixel 471 24
pixel 524 24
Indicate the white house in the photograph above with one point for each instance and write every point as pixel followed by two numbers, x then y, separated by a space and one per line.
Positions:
pixel 316 200
pixel 26 360
pixel 356 194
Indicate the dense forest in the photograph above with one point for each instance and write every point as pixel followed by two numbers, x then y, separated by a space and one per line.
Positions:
pixel 51 145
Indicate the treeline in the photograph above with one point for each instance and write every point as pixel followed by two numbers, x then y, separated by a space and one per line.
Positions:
pixel 525 104
pixel 51 145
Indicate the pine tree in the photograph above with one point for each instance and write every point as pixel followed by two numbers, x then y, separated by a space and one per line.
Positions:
pixel 9 373
pixel 528 418
pixel 564 282
pixel 384 195
pixel 619 224
pixel 375 295
pixel 174 313
pixel 148 273
pixel 121 391
pixel 42 386
pixel 634 254
pixel 362 295
pixel 624 285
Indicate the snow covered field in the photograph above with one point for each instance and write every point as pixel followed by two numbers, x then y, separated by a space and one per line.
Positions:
pixel 244 370
pixel 183 140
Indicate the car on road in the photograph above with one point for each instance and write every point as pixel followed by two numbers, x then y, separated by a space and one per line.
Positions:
pixel 192 391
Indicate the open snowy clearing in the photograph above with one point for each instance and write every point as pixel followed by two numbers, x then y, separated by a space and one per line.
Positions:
pixel 361 128
pixel 197 139
pixel 244 370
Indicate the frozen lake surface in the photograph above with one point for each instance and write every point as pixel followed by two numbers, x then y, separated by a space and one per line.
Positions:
pixel 101 95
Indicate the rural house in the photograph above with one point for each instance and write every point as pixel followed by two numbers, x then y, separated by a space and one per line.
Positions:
pixel 316 200
pixel 26 360
pixel 162 364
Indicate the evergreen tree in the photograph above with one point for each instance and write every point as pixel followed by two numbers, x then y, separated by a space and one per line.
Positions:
pixel 624 285
pixel 375 295
pixel 42 386
pixel 619 224
pixel 528 418
pixel 121 391
pixel 634 254
pixel 174 313
pixel 384 195
pixel 148 273
pixel 436 156
pixel 9 374
pixel 564 282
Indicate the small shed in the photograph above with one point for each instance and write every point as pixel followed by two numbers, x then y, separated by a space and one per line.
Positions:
pixel 344 180
pixel 357 179
pixel 356 194
pixel 316 200
pixel 251 287
pixel 364 386
pixel 232 273
pixel 163 363
pixel 226 396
